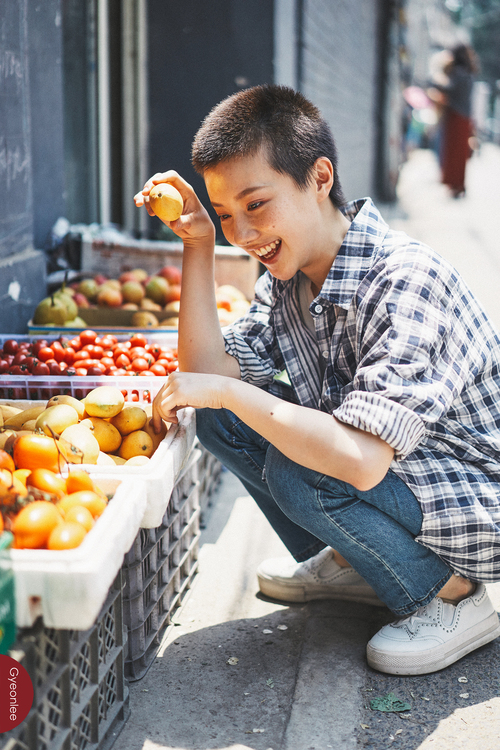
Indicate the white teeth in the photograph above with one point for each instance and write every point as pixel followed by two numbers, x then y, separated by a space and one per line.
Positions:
pixel 267 248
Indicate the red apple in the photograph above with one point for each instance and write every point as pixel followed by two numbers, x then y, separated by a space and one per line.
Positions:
pixel 171 273
pixel 173 293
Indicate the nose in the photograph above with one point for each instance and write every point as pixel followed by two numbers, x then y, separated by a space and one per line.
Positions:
pixel 243 232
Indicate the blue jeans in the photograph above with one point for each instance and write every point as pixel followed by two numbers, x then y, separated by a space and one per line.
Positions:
pixel 374 530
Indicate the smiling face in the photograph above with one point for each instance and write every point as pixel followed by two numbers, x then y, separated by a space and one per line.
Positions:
pixel 265 213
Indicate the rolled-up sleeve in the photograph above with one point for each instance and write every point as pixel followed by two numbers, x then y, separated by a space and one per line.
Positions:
pixel 251 339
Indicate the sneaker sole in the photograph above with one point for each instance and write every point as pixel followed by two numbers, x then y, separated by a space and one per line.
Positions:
pixel 308 592
pixel 436 658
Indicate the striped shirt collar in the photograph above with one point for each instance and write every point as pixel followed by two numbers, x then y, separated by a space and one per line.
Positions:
pixel 354 258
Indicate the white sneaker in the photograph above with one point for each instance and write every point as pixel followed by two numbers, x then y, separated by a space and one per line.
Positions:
pixel 434 636
pixel 320 577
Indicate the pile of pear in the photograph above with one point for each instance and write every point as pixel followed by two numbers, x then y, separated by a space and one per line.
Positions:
pixel 101 429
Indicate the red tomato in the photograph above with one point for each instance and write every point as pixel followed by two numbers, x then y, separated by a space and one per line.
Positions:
pixel 122 360
pixel 107 342
pixel 139 363
pixel 63 366
pixel 98 352
pixel 137 351
pixel 107 353
pixel 10 346
pixel 94 370
pixel 146 373
pixel 154 349
pixel 120 372
pixel 88 337
pixel 41 368
pixel 81 371
pixel 55 368
pixel 15 370
pixel 158 370
pixel 30 362
pixel 164 362
pixel 75 343
pixel 45 353
pixel 37 345
pixel 138 339
pixel 81 355
pixel 19 358
pixel 70 371
pixel 172 366
pixel 107 361
pixel 111 370
pixel 69 355
pixel 4 366
pixel 122 348
pixel 58 350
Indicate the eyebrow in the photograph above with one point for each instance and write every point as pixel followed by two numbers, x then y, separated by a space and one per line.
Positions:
pixel 243 193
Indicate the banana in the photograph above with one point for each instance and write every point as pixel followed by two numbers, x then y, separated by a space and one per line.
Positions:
pixel 17 421
pixel 9 411
pixel 5 439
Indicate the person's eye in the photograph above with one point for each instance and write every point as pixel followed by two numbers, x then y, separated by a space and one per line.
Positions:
pixel 253 206
pixel 223 217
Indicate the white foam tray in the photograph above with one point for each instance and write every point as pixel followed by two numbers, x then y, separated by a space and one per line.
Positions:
pixel 69 587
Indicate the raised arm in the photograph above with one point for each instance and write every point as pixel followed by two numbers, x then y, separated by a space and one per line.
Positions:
pixel 200 346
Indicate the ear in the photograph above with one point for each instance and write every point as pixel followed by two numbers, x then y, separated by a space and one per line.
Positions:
pixel 323 177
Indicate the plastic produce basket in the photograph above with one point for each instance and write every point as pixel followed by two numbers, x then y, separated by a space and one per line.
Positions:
pixel 209 474
pixel 159 569
pixel 161 472
pixel 81 695
pixel 68 587
pixel 41 388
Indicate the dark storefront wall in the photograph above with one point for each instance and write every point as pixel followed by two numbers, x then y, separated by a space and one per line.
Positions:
pixel 199 53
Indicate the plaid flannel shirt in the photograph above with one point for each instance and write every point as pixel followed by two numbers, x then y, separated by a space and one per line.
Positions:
pixel 411 357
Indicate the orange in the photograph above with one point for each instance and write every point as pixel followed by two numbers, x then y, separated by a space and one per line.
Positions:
pixel 37 452
pixel 80 514
pixel 47 481
pixel 137 443
pixel 34 523
pixel 66 535
pixel 78 480
pixel 6 461
pixel 91 500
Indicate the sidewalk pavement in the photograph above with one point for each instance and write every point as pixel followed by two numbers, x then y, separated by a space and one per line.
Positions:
pixel 237 672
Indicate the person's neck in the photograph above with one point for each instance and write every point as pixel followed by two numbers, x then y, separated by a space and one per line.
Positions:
pixel 336 228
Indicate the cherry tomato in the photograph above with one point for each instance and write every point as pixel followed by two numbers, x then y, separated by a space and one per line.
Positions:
pixel 81 355
pixel 69 355
pixel 15 370
pixel 111 370
pixel 137 351
pixel 146 374
pixel 63 366
pixel 81 371
pixel 139 363
pixel 122 348
pixel 75 343
pixel 10 346
pixel 4 366
pixel 172 366
pixel 45 353
pixel 154 349
pixel 120 372
pixel 37 345
pixel 138 339
pixel 97 352
pixel 158 370
pixel 58 350
pixel 30 363
pixel 94 370
pixel 41 368
pixel 55 368
pixel 70 371
pixel 88 337
pixel 122 361
pixel 107 342
pixel 19 358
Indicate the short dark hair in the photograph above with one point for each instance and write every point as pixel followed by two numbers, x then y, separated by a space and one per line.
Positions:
pixel 282 120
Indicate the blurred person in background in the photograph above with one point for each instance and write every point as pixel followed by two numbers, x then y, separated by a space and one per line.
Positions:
pixel 457 127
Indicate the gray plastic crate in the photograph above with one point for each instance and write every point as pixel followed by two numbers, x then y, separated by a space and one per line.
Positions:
pixel 158 571
pixel 81 699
